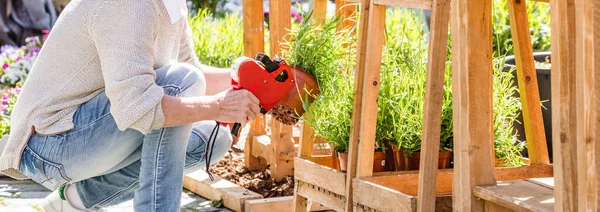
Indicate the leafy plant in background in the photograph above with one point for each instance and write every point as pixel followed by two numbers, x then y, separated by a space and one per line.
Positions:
pixel 218 41
pixel 211 6
pixel 539 26
pixel 403 83
pixel 329 55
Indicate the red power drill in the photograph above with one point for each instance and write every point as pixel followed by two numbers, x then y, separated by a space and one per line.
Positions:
pixel 269 80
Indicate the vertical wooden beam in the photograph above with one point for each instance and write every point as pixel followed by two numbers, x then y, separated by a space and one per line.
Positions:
pixel 528 84
pixel 319 8
pixel 253 19
pixel 280 21
pixel 300 202
pixel 345 10
pixel 257 127
pixel 586 130
pixel 432 121
pixel 596 96
pixel 366 89
pixel 472 100
pixel 307 141
pixel 564 105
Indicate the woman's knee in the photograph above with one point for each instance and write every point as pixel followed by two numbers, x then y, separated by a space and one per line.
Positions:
pixel 181 79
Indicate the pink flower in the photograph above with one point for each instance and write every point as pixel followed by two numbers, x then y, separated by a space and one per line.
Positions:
pixel 5 66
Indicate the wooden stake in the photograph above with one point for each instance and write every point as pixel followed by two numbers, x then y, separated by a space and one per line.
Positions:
pixel 253 18
pixel 257 127
pixel 528 84
pixel 279 23
pixel 436 69
pixel 472 100
pixel 586 130
pixel 595 22
pixel 366 88
pixel 564 124
pixel 345 10
pixel 319 11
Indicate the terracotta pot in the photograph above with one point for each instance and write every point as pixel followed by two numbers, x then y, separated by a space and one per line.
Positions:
pixel 308 87
pixel 343 159
pixel 399 158
pixel 413 162
pixel 378 161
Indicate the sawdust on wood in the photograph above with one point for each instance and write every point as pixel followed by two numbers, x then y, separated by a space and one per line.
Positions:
pixel 231 168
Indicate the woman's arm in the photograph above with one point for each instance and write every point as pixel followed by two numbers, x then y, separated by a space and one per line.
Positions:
pixel 227 107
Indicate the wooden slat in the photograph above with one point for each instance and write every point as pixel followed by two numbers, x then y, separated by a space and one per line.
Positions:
pixel 319 8
pixel 406 182
pixel 414 4
pixel 257 127
pixel 382 198
pixel 321 176
pixel 547 1
pixel 545 182
pixel 492 207
pixel 280 22
pixel 307 140
pixel 233 196
pixel 346 10
pixel 300 202
pixel 278 204
pixel 253 18
pixel 528 84
pixel 564 104
pixel 472 100
pixel 366 87
pixel 436 70
pixel 596 96
pixel 586 130
pixel 330 200
pixel 518 195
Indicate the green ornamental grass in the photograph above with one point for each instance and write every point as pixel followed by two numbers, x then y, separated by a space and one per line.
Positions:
pixel 218 41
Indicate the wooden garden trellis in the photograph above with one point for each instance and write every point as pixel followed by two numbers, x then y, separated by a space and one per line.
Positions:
pixel 277 149
pixel 472 62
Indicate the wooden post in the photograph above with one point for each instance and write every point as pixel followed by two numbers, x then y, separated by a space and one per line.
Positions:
pixel 472 100
pixel 528 84
pixel 279 23
pixel 257 127
pixel 366 88
pixel 595 22
pixel 432 121
pixel 564 104
pixel 586 130
pixel 253 19
pixel 345 10
pixel 319 8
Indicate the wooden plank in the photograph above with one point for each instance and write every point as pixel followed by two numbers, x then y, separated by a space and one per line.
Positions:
pixel 528 84
pixel 233 196
pixel 324 177
pixel 545 182
pixel 280 22
pixel 327 199
pixel 472 100
pixel 382 198
pixel 586 131
pixel 319 8
pixel 432 121
pixel 257 127
pixel 366 87
pixel 347 11
pixel 300 202
pixel 564 104
pixel 253 19
pixel 596 96
pixel 278 204
pixel 518 195
pixel 281 151
pixel 492 207
pixel 307 140
pixel 414 4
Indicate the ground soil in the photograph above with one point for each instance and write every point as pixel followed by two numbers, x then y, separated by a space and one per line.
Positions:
pixel 231 168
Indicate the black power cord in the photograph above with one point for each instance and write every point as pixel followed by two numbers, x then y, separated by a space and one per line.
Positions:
pixel 210 146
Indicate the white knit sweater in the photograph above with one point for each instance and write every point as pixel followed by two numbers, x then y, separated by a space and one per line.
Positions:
pixel 95 46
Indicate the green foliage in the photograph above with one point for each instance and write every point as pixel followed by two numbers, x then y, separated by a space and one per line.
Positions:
pixel 211 6
pixel 539 26
pixel 329 56
pixel 403 83
pixel 218 41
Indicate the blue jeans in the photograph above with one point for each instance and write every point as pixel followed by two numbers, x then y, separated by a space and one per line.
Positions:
pixel 109 166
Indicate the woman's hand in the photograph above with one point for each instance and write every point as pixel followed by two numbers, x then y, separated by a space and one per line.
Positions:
pixel 239 106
